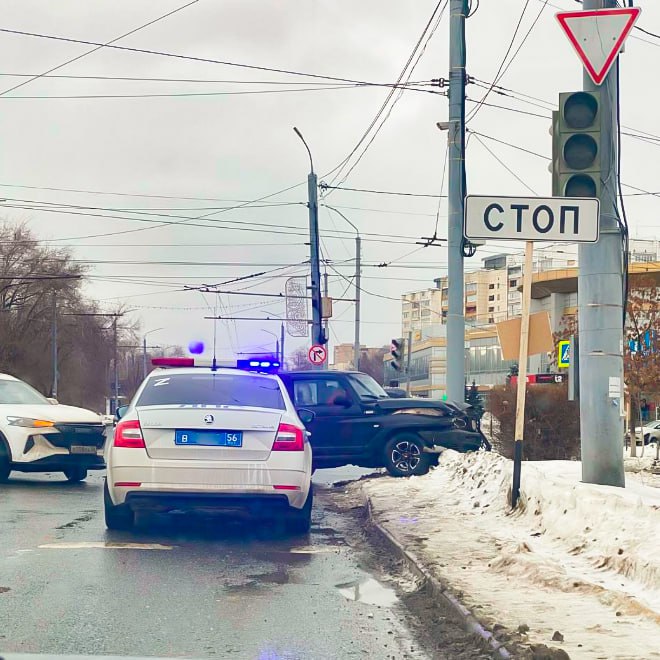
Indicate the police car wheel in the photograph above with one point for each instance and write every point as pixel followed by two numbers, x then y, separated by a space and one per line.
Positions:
pixel 404 456
pixel 117 516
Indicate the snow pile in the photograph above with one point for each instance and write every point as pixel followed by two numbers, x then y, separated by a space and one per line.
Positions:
pixel 611 529
pixel 573 557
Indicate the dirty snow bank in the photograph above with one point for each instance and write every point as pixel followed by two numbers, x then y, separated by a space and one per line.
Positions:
pixel 576 558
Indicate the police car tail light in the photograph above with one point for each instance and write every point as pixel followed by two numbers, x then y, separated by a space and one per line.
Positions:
pixel 128 434
pixel 289 438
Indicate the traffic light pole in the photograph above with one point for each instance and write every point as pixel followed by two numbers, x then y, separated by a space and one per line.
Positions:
pixel 456 200
pixel 600 309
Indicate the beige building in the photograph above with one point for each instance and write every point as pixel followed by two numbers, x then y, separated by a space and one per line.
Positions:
pixel 492 294
pixel 343 355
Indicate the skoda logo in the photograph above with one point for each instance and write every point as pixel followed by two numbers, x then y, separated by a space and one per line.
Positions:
pixel 209 419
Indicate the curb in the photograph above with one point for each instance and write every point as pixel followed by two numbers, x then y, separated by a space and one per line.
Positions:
pixel 436 589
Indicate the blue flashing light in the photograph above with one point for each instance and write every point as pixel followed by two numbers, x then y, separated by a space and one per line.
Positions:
pixel 264 366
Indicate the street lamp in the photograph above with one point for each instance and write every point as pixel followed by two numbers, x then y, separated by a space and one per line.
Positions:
pixel 144 350
pixel 358 241
pixel 277 341
pixel 318 335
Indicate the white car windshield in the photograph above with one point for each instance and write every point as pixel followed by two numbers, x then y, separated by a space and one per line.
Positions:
pixel 16 392
pixel 212 389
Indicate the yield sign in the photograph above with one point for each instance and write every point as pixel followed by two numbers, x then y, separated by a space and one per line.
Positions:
pixel 598 36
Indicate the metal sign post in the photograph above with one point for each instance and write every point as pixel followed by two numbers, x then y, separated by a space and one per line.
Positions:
pixel 522 372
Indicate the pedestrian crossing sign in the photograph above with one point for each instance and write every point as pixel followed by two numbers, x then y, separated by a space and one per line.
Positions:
pixel 564 354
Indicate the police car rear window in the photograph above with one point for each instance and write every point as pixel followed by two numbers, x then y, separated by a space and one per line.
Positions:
pixel 212 389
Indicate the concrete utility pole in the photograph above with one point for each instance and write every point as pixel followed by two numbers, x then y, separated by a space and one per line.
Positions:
pixel 456 199
pixel 115 363
pixel 144 351
pixel 282 345
pixel 600 309
pixel 318 335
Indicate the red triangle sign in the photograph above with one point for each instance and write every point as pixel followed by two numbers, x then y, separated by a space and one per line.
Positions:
pixel 598 36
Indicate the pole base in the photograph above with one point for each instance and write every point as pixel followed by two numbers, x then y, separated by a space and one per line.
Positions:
pixel 517 465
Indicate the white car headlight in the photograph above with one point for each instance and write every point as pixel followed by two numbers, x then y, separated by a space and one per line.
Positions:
pixel 28 422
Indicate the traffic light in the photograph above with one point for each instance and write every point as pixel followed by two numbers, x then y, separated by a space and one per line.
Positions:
pixel 396 351
pixel 576 145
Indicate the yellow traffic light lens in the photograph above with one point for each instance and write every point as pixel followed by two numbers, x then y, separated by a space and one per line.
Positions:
pixel 580 151
pixel 580 110
pixel 581 185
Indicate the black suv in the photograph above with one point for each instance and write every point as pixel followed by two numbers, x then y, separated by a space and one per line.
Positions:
pixel 352 420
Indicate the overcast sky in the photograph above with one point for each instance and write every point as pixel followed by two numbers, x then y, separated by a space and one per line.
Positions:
pixel 219 150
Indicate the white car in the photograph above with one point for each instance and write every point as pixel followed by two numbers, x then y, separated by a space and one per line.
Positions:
pixel 215 440
pixel 40 435
pixel 648 433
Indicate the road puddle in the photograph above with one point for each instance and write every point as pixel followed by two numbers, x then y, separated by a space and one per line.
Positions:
pixel 368 591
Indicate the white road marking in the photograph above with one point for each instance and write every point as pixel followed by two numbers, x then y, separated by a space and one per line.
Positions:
pixel 106 545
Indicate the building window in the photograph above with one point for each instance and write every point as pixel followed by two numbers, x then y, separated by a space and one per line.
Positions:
pixel 491 309
pixel 513 283
pixel 491 298
pixel 491 319
pixel 491 286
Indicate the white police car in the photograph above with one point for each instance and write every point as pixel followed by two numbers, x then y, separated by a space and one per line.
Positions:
pixel 39 435
pixel 209 439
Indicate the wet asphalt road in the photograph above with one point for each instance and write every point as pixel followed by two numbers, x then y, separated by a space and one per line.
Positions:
pixel 184 587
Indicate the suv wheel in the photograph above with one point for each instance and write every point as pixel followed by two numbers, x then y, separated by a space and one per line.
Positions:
pixel 299 521
pixel 117 516
pixel 5 467
pixel 75 474
pixel 404 456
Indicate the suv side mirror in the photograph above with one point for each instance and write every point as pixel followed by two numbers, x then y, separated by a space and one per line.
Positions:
pixel 120 412
pixel 306 416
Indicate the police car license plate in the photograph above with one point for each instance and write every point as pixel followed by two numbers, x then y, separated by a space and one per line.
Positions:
pixel 82 449
pixel 209 438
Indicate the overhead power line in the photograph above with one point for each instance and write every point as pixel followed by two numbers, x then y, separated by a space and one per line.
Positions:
pixel 99 47
pixel 192 58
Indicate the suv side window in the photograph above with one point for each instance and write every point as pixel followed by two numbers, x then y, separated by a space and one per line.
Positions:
pixel 317 392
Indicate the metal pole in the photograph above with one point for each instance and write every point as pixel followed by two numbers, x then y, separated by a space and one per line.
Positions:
pixel 358 268
pixel 54 341
pixel 456 198
pixel 326 321
pixel 522 372
pixel 116 366
pixel 282 345
pixel 600 310
pixel 318 336
pixel 408 358
pixel 144 357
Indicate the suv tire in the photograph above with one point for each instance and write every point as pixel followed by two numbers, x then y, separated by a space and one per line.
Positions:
pixel 404 456
pixel 299 521
pixel 117 516
pixel 5 466
pixel 75 474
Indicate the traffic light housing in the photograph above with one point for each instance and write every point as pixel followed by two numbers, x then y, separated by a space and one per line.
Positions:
pixel 576 145
pixel 397 352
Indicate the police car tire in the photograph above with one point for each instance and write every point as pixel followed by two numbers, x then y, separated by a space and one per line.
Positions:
pixel 299 521
pixel 117 516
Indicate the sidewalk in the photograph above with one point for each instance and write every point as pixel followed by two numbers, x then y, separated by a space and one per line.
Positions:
pixel 577 562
